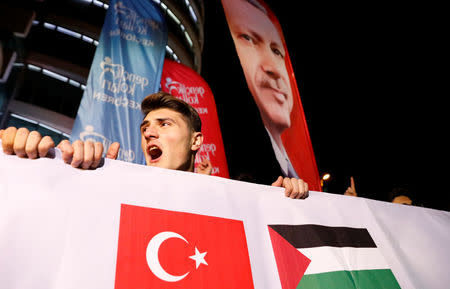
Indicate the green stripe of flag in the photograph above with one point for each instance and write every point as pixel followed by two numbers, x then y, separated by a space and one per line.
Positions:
pixel 363 279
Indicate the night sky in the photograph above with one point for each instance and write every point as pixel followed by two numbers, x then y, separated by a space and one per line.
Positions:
pixel 367 76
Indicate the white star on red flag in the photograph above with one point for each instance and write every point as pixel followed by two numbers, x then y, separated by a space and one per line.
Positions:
pixel 199 258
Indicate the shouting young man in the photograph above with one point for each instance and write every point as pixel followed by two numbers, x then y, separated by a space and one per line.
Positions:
pixel 170 138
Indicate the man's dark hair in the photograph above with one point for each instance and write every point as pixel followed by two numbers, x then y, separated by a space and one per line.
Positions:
pixel 166 100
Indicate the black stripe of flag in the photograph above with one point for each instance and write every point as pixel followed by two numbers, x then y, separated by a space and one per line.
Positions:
pixel 308 236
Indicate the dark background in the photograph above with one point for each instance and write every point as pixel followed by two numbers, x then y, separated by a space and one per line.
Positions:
pixel 370 76
pixel 367 75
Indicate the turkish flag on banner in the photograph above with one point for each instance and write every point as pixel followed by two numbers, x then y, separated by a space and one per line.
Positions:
pixel 186 84
pixel 166 249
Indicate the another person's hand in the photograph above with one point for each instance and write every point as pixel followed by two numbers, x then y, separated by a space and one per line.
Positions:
pixel 25 144
pixel 86 155
pixel 205 167
pixel 351 191
pixel 293 188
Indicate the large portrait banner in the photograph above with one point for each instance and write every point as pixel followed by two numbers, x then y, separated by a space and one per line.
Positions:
pixel 263 55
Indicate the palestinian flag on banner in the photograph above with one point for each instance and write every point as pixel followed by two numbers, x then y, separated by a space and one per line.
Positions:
pixel 340 257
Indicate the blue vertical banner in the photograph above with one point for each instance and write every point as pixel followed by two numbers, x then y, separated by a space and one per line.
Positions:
pixel 127 66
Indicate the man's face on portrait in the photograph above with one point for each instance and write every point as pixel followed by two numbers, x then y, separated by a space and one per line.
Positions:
pixel 262 54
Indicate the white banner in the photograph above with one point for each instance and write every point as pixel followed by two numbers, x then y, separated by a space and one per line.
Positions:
pixel 60 226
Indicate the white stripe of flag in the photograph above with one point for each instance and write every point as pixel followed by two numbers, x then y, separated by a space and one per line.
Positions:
pixel 330 259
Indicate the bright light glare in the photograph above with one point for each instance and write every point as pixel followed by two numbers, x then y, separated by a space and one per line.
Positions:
pixel 54 75
pixel 68 32
pixel 326 177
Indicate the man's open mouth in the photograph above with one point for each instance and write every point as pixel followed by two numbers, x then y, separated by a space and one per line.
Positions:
pixel 154 152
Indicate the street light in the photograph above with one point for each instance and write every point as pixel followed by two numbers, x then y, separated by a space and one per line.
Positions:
pixel 325 177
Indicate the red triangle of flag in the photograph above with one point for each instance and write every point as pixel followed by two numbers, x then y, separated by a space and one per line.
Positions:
pixel 291 263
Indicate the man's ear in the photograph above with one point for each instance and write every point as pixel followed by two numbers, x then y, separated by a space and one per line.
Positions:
pixel 197 141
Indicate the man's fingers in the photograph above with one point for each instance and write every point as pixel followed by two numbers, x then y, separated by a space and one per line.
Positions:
pixel 304 189
pixel 8 137
pixel 88 158
pixel 350 192
pixel 205 164
pixel 300 189
pixel 295 188
pixel 287 187
pixel 352 184
pixel 78 153
pixel 204 167
pixel 67 151
pixel 81 154
pixel 45 145
pixel 98 152
pixel 20 142
pixel 113 151
pixel 31 147
pixel 278 182
pixel 61 144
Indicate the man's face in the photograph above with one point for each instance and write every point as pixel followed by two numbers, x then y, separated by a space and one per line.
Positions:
pixel 167 140
pixel 261 53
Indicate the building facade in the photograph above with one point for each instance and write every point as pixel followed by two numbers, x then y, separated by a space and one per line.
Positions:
pixel 47 47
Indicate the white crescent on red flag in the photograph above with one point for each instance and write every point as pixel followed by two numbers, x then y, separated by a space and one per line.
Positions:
pixel 167 249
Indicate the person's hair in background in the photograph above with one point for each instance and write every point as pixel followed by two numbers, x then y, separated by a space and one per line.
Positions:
pixel 245 177
pixel 400 195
